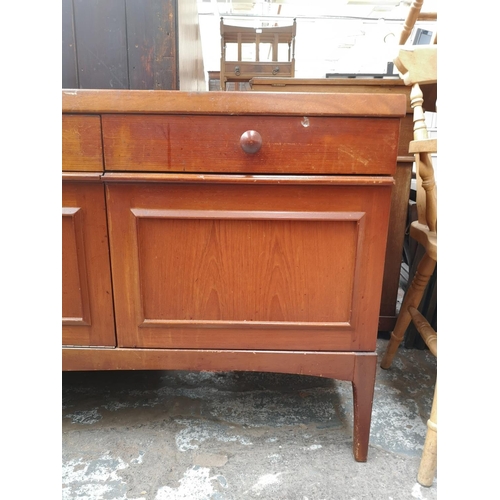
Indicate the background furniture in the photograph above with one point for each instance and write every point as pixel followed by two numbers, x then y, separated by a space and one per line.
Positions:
pixel 418 65
pixel 227 249
pixel 241 70
pixel 131 44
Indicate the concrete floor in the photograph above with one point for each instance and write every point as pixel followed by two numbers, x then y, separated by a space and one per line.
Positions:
pixel 238 435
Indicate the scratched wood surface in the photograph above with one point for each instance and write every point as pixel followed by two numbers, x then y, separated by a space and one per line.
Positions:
pixel 131 44
pixel 232 103
pixel 330 144
pixel 151 44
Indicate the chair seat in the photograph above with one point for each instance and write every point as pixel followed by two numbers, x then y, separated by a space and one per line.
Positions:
pixel 427 238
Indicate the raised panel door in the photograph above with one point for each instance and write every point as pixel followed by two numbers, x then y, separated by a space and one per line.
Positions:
pixel 272 265
pixel 87 304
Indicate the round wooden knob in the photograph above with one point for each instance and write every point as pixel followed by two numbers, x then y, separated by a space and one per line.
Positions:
pixel 250 141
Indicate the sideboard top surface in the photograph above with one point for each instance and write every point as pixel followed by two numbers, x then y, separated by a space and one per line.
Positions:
pixel 234 103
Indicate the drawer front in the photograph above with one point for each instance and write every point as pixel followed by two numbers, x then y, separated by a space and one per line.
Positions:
pixel 247 70
pixel 212 144
pixel 248 266
pixel 81 143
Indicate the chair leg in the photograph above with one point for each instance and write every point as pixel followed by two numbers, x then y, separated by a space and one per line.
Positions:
pixel 428 462
pixel 412 297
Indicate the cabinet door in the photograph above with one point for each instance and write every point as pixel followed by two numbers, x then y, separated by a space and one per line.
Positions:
pixel 262 264
pixel 87 307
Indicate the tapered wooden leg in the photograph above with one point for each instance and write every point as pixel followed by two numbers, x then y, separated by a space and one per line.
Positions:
pixel 363 385
pixel 428 462
pixel 412 298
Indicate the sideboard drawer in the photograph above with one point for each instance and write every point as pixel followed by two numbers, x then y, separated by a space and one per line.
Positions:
pixel 234 70
pixel 212 144
pixel 81 143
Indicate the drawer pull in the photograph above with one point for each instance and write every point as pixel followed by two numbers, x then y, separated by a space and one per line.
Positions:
pixel 250 141
pixel 276 70
pixel 237 70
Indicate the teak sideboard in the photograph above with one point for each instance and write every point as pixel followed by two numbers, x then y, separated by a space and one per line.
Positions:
pixel 223 231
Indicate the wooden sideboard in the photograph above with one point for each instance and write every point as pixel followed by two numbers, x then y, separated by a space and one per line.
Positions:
pixel 227 231
pixel 401 191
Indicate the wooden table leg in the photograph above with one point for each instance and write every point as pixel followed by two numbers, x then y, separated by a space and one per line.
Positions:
pixel 363 386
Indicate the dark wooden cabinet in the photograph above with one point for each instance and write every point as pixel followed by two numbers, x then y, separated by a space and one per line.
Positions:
pixel 246 231
pixel 131 44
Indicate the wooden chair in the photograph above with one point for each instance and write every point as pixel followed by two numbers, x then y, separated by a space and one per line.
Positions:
pixel 417 66
pixel 243 71
pixel 414 15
